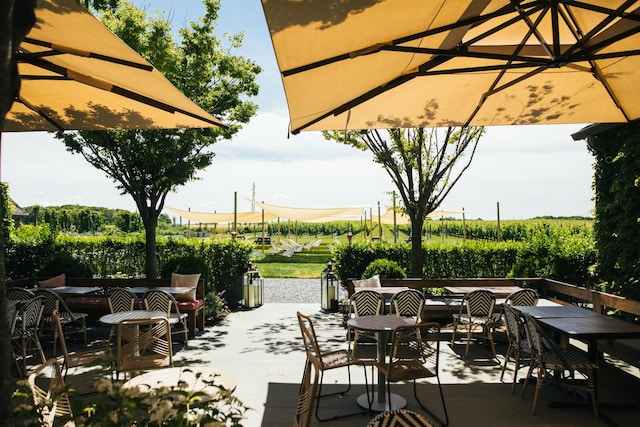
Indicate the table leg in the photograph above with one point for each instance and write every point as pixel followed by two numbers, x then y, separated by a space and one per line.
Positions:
pixel 382 401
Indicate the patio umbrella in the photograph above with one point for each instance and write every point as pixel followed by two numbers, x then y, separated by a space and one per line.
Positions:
pixel 76 74
pixel 416 63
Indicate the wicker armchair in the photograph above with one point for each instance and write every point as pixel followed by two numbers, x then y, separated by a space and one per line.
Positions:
pixel 323 361
pixel 415 353
pixel 143 344
pixel 159 300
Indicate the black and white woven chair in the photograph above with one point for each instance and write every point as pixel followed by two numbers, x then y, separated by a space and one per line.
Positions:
pixel 408 303
pixel 75 321
pixel 550 359
pixel 523 297
pixel 399 417
pixel 518 348
pixel 477 317
pixel 363 303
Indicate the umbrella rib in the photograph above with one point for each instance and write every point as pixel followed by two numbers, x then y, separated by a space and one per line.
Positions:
pixel 613 14
pixel 57 49
pixel 101 84
pixel 40 113
pixel 468 22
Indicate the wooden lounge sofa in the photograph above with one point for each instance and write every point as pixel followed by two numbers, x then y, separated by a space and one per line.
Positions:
pixel 95 303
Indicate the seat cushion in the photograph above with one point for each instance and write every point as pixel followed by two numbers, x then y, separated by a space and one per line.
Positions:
pixel 190 305
pixel 372 282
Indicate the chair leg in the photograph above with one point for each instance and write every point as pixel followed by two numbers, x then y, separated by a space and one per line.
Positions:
pixel 506 360
pixel 469 335
pixel 539 383
pixel 526 380
pixel 515 372
pixel 592 392
pixel 453 333
pixel 340 393
pixel 444 422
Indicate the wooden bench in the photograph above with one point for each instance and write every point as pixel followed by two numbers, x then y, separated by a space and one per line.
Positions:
pixel 96 304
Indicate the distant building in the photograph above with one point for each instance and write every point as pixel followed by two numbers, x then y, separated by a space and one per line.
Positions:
pixel 18 214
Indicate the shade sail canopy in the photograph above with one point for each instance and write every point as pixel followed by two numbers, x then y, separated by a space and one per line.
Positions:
pixel 221 218
pixel 417 63
pixel 312 214
pixel 76 74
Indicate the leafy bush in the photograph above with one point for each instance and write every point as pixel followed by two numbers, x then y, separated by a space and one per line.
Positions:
pixel 62 262
pixel 386 268
pixel 215 306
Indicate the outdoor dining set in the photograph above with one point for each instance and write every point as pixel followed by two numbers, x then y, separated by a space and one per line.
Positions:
pixel 407 348
pixel 142 325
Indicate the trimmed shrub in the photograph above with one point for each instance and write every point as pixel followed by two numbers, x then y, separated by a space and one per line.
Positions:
pixel 387 269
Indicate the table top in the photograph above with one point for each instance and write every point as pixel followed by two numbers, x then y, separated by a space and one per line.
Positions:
pixel 115 318
pixel 71 290
pixel 498 291
pixel 174 290
pixel 593 327
pixel 196 380
pixel 379 323
pixel 556 311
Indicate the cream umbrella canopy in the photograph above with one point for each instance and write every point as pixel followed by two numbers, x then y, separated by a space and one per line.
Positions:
pixel 76 74
pixel 416 63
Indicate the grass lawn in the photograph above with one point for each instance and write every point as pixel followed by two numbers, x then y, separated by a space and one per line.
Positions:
pixel 272 270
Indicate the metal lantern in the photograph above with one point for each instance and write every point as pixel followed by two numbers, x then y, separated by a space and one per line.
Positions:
pixel 329 289
pixel 253 287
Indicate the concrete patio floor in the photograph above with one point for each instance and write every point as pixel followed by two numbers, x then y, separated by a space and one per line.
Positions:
pixel 262 349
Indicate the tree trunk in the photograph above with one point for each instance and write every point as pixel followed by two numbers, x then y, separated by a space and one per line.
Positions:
pixel 151 262
pixel 16 19
pixel 416 248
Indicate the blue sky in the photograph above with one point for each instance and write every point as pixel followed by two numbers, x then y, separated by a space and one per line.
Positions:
pixel 529 170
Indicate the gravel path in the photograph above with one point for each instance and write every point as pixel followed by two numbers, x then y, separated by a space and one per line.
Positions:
pixel 292 290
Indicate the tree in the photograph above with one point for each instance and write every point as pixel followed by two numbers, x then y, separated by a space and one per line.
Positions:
pixel 16 19
pixel 423 165
pixel 148 164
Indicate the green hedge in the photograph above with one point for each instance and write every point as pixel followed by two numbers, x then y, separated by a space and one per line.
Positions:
pixel 572 261
pixel 124 256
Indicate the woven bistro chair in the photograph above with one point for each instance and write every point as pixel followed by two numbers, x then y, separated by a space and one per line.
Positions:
pixel 26 332
pixel 54 302
pixel 399 418
pixel 549 359
pixel 415 354
pixel 120 300
pixel 19 294
pixel 160 300
pixel 143 344
pixel 77 358
pixel 50 394
pixel 408 303
pixel 323 361
pixel 523 297
pixel 518 347
pixel 363 303
pixel 477 317
pixel 306 397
